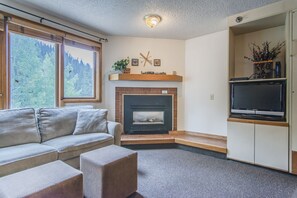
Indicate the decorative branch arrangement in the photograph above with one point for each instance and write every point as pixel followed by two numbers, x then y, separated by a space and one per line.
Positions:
pixel 262 58
pixel 264 53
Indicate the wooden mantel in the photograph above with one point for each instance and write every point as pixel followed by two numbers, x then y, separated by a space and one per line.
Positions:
pixel 146 77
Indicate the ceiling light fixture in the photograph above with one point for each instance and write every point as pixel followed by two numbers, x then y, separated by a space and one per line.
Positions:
pixel 152 20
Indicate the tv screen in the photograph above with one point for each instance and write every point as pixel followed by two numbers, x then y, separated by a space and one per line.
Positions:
pixel 266 96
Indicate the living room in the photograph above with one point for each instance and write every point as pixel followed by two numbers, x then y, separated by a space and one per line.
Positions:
pixel 193 62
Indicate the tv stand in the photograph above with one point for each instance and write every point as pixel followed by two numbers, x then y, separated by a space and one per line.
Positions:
pixel 254 121
pixel 259 142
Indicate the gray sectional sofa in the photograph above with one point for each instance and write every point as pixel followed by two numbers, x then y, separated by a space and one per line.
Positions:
pixel 29 138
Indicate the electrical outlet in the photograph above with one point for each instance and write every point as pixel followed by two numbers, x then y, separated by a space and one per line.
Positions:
pixel 211 96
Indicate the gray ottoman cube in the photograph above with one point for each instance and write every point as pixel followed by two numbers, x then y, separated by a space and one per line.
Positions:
pixel 55 179
pixel 109 172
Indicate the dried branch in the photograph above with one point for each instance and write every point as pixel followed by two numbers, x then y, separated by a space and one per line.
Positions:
pixel 264 53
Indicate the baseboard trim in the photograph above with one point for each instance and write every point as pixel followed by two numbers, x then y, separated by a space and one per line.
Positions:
pixel 202 151
pixel 150 146
pixel 178 146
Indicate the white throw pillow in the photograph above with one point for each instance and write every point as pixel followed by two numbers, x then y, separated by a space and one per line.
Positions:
pixel 91 121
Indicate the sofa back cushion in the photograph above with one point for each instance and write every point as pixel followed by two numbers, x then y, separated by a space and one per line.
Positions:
pixel 18 126
pixel 56 122
pixel 91 121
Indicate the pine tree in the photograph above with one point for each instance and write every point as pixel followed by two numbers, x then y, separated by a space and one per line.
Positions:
pixel 33 73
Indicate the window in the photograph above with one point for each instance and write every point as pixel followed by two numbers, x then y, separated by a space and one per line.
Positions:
pixel 47 67
pixel 32 72
pixel 79 72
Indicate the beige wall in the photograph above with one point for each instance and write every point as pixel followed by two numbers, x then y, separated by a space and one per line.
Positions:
pixel 202 62
pixel 206 74
pixel 171 53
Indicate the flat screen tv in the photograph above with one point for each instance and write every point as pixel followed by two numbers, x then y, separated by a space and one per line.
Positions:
pixel 264 100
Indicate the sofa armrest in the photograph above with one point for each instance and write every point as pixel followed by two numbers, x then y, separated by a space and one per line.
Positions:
pixel 115 129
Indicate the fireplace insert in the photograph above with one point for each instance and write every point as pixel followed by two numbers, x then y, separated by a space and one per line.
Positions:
pixel 147 114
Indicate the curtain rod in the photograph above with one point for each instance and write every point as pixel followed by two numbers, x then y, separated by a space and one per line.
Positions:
pixel 57 23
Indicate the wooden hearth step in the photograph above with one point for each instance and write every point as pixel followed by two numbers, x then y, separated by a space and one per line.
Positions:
pixel 193 139
pixel 204 141
pixel 147 139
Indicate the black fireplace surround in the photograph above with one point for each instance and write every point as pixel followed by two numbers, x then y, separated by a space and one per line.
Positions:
pixel 147 114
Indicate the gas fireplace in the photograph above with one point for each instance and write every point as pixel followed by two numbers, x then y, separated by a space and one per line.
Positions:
pixel 148 117
pixel 147 114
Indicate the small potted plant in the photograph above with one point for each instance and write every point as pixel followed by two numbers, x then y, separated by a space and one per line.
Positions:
pixel 121 65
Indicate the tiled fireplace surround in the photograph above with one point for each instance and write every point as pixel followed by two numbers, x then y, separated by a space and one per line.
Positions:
pixel 121 91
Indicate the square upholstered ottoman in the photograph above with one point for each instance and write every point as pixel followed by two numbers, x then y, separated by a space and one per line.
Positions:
pixel 55 179
pixel 109 172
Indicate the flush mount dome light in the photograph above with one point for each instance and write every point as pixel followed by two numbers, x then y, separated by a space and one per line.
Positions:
pixel 151 20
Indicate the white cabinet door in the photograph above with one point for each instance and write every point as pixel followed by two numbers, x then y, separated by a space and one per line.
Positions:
pixel 240 141
pixel 272 146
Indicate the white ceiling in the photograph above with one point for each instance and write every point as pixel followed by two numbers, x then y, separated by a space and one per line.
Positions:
pixel 181 19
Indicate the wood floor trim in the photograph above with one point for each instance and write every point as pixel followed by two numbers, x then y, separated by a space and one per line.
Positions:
pixel 197 140
pixel 147 139
pixel 294 162
pixel 198 134
pixel 200 145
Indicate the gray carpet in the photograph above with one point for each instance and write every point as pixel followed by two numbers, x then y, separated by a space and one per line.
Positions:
pixel 177 173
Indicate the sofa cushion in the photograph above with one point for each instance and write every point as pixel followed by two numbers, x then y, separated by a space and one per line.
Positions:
pixel 18 126
pixel 91 121
pixel 75 162
pixel 56 122
pixel 21 157
pixel 72 146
